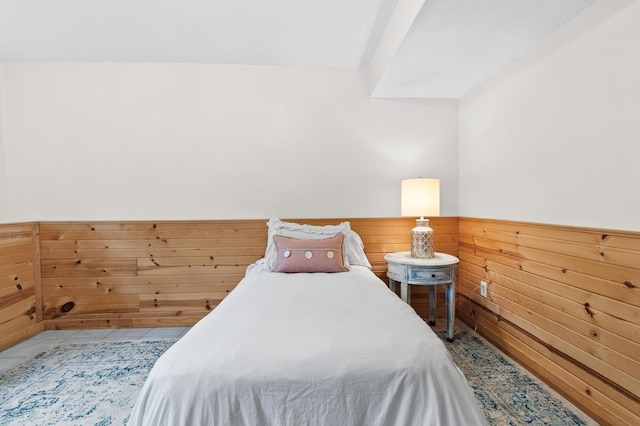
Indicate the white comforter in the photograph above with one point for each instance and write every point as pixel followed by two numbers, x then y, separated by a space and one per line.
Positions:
pixel 308 349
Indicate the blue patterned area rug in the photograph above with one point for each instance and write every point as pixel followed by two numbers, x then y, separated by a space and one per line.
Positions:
pixel 508 394
pixel 93 383
pixel 97 383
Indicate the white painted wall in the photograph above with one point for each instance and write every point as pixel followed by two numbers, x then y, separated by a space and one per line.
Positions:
pixel 101 141
pixel 4 188
pixel 555 137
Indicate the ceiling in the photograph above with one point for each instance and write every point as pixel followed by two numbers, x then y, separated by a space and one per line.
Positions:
pixel 421 48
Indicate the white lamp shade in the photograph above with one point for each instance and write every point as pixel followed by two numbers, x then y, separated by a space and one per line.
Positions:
pixel 420 197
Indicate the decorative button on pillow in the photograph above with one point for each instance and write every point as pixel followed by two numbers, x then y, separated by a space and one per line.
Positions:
pixel 296 255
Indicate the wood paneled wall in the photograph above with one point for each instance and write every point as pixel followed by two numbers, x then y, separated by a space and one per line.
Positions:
pixel 564 302
pixel 20 308
pixel 143 274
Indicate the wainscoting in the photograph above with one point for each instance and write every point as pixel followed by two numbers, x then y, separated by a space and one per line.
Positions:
pixel 564 302
pixel 149 274
pixel 20 300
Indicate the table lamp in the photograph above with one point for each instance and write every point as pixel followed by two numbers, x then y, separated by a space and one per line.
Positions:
pixel 421 197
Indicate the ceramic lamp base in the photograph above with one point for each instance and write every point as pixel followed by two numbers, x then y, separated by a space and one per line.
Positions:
pixel 422 244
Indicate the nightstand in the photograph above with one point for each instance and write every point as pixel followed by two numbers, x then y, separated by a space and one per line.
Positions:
pixel 440 270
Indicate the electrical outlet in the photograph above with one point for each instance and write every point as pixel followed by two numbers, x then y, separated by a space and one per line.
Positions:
pixel 483 289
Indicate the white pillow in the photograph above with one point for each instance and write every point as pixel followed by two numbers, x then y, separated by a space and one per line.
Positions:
pixel 353 248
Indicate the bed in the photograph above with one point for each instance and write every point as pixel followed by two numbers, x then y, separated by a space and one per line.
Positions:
pixel 308 349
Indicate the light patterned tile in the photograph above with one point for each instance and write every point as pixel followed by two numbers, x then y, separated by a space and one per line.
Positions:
pixel 95 334
pixel 164 332
pixel 7 363
pixel 58 335
pixel 128 334
pixel 27 349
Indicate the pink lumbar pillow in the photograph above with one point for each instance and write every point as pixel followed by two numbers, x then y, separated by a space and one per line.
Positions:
pixel 296 255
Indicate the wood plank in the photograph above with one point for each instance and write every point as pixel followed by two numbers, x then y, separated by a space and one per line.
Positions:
pixel 103 268
pixel 15 271
pixel 621 280
pixel 610 238
pixel 37 271
pixel 596 252
pixel 86 323
pixel 9 249
pixel 204 233
pixel 23 273
pixel 149 281
pixel 181 320
pixel 22 307
pixel 587 392
pixel 240 225
pixel 139 289
pixel 102 300
pixel 27 294
pixel 569 294
pixel 69 234
pixel 94 260
pixel 621 265
pixel 237 261
pixel 191 270
pixel 114 253
pixel 7 231
pixel 16 287
pixel 584 334
pixel 604 310
pixel 600 359
pixel 205 300
pixel 23 332
pixel 112 309
pixel 14 238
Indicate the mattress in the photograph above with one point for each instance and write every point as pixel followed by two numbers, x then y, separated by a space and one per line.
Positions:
pixel 308 349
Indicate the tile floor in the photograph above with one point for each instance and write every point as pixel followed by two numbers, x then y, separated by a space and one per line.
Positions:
pixel 41 342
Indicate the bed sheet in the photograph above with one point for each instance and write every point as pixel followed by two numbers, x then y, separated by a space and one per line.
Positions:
pixel 308 349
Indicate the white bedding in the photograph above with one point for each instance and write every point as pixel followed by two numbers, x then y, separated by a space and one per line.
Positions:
pixel 308 349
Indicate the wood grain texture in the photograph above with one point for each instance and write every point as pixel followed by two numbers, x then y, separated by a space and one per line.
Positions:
pixel 564 302
pixel 147 274
pixel 19 284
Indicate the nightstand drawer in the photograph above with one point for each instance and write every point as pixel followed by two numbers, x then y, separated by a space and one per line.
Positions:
pixel 397 272
pixel 427 276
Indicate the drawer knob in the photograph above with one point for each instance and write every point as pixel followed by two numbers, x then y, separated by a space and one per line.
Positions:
pixel 433 275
